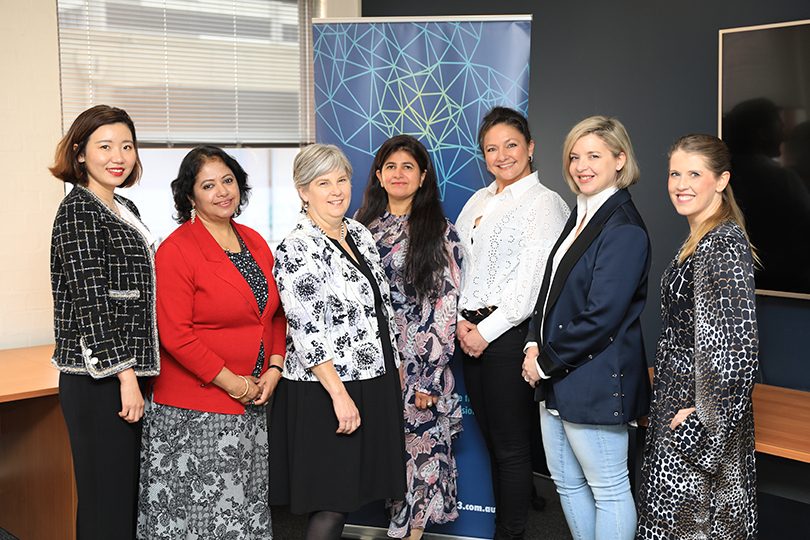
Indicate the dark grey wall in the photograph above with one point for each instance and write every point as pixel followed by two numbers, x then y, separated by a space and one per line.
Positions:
pixel 654 66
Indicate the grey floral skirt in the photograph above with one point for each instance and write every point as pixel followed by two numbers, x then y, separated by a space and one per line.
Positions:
pixel 204 475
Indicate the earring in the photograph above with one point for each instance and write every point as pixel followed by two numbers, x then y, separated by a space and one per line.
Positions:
pixel 531 158
pixel 193 214
pixel 304 207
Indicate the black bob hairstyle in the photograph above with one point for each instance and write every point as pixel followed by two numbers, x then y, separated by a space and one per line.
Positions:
pixel 183 185
pixel 427 255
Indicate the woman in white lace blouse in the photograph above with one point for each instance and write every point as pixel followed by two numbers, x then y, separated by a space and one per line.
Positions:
pixel 508 229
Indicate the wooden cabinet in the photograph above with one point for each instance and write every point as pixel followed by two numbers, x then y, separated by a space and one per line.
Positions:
pixel 37 489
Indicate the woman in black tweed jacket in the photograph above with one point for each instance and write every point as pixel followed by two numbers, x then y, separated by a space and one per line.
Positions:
pixel 103 281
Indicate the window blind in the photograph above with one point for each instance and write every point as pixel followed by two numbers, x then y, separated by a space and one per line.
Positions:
pixel 187 71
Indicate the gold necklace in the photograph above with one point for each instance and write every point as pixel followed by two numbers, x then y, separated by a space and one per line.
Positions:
pixel 341 233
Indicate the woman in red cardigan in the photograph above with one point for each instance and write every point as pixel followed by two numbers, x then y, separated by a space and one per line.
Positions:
pixel 204 464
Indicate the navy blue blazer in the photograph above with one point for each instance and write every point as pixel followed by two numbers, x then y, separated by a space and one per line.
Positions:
pixel 592 347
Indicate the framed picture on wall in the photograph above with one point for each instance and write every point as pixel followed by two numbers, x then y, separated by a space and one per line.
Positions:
pixel 764 118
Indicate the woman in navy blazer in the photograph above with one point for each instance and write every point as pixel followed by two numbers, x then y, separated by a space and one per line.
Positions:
pixel 584 351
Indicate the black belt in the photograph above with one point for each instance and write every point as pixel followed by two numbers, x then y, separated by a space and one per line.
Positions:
pixel 477 315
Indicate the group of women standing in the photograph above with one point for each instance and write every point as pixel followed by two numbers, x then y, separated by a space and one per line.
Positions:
pixel 351 328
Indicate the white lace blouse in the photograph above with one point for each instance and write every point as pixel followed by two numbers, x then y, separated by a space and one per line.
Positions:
pixel 505 255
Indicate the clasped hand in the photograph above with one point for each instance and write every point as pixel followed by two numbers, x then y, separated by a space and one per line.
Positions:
pixel 470 339
pixel 530 373
pixel 422 400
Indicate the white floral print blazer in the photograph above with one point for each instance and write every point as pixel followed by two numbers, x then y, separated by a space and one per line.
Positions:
pixel 329 304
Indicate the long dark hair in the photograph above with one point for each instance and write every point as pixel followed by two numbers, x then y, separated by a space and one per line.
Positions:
pixel 427 254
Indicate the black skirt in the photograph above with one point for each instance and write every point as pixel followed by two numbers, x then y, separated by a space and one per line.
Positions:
pixel 313 468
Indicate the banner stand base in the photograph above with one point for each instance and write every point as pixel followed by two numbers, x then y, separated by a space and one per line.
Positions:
pixel 362 532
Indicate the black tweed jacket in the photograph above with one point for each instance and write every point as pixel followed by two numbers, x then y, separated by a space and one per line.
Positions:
pixel 103 283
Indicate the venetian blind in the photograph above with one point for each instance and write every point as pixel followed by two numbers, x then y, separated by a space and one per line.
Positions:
pixel 187 71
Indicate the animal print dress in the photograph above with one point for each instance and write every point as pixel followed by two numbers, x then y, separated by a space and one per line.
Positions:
pixel 699 480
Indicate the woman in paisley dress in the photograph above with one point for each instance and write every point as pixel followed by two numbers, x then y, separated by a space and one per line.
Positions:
pixel 204 463
pixel 421 254
pixel 698 476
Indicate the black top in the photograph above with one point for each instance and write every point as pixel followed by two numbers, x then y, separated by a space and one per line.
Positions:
pixel 379 309
pixel 257 281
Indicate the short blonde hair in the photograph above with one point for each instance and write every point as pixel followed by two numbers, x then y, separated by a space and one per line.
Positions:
pixel 316 160
pixel 614 135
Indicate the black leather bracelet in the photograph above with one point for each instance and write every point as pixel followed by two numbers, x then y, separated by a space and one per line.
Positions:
pixel 273 366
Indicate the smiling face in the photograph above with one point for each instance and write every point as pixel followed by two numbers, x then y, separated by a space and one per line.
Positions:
pixel 328 197
pixel 592 165
pixel 108 157
pixel 400 177
pixel 507 153
pixel 695 191
pixel 216 192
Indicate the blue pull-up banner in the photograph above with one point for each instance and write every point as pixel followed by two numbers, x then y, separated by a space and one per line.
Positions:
pixel 434 79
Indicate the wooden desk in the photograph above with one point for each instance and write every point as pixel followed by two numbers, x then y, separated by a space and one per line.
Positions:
pixel 27 373
pixel 782 422
pixel 37 488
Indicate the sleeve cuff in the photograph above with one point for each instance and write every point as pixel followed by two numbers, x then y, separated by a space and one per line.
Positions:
pixel 540 371
pixel 96 373
pixel 494 326
pixel 549 364
pixel 528 345
pixel 317 354
pixel 208 373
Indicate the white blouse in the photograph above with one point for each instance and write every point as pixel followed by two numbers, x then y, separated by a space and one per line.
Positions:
pixel 505 255
pixel 128 216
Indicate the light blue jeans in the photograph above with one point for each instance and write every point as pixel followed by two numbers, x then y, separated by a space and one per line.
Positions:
pixel 588 464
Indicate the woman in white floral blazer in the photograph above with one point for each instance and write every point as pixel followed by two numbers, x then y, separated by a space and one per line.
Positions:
pixel 336 433
pixel 332 304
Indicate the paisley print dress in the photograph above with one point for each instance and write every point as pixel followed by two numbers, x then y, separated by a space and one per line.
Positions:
pixel 699 480
pixel 426 343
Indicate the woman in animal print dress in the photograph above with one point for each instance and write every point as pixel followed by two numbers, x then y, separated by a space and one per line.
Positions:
pixel 698 476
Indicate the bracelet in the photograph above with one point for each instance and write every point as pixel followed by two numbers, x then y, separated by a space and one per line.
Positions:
pixel 273 366
pixel 243 394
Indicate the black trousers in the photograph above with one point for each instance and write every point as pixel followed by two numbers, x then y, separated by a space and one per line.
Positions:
pixel 508 417
pixel 106 453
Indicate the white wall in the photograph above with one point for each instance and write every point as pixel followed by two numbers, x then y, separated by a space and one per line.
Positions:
pixel 30 127
pixel 337 8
